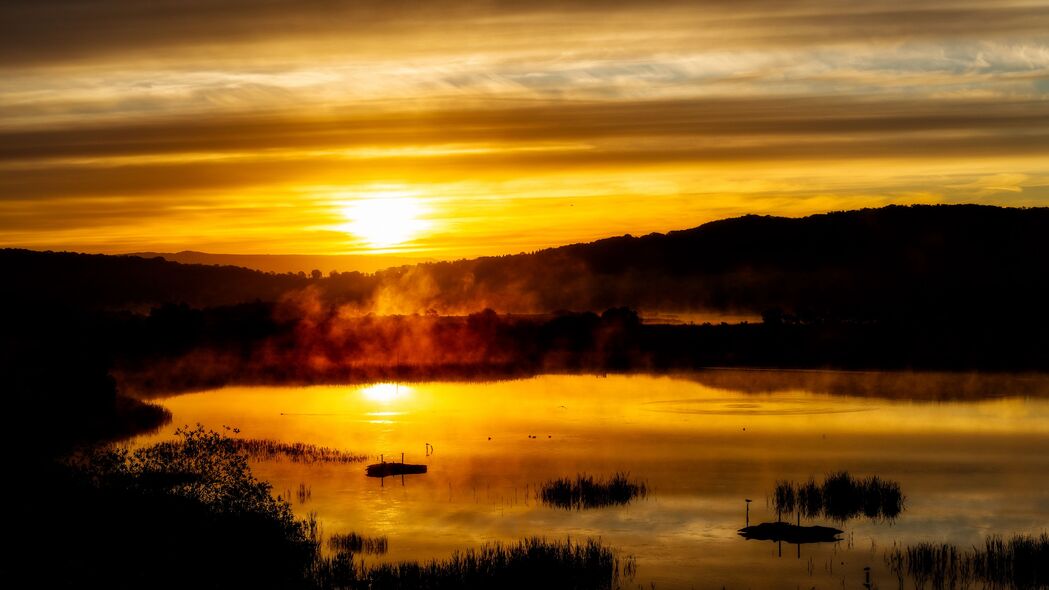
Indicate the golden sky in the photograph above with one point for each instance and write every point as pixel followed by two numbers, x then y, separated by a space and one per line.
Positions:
pixel 450 129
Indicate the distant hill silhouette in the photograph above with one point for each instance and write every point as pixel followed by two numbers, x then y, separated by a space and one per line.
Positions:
pixel 293 263
pixel 955 262
pixel 124 282
pixel 870 263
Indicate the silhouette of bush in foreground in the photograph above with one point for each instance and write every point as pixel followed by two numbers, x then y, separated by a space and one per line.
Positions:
pixel 586 492
pixel 185 512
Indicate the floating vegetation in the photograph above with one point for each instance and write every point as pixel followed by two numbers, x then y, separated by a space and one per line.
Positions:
pixel 840 497
pixel 354 543
pixel 271 450
pixel 391 469
pixel 791 533
pixel 586 492
pixel 528 564
pixel 1019 562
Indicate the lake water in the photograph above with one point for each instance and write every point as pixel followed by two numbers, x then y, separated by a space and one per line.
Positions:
pixel 969 467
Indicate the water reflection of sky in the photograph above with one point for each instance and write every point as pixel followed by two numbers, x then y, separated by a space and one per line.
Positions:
pixel 968 468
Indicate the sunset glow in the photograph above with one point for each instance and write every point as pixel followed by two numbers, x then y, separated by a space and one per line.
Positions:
pixel 526 294
pixel 502 128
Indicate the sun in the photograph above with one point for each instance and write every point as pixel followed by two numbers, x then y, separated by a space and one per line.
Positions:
pixel 385 220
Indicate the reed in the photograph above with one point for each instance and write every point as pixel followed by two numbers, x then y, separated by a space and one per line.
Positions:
pixel 1022 561
pixel 354 543
pixel 528 564
pixel 271 450
pixel 840 497
pixel 586 492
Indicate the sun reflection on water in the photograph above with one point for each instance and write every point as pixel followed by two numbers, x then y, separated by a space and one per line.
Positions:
pixel 385 393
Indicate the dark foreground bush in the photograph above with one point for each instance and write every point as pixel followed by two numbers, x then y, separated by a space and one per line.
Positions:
pixel 181 514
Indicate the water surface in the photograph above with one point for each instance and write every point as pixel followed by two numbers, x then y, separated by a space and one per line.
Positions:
pixel 968 468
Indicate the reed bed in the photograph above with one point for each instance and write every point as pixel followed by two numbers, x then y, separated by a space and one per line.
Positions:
pixel 354 543
pixel 528 564
pixel 840 497
pixel 271 450
pixel 1021 561
pixel 585 492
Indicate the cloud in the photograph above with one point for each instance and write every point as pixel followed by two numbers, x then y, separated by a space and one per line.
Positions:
pixel 65 30
pixel 237 123
pixel 734 128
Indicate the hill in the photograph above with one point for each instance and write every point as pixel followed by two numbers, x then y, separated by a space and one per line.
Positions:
pixel 289 263
pixel 962 261
pixel 866 264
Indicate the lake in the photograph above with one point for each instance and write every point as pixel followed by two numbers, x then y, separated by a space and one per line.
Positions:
pixel 971 454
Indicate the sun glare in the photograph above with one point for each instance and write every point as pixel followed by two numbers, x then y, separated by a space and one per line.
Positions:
pixel 385 220
pixel 384 393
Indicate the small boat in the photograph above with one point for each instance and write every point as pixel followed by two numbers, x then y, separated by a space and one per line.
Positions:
pixel 389 469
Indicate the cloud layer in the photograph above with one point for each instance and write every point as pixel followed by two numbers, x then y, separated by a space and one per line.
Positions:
pixel 246 126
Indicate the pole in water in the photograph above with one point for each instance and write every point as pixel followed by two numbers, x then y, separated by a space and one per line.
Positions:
pixel 867 577
pixel 402 458
pixel 748 510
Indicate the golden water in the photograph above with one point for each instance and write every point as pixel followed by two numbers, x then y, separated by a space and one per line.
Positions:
pixel 968 468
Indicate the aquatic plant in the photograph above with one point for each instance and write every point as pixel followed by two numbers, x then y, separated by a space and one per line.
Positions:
pixel 840 497
pixel 1022 561
pixel 810 498
pixel 297 452
pixel 304 493
pixel 354 543
pixel 528 564
pixel 587 492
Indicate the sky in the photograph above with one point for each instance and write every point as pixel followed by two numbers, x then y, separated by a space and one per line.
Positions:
pixel 454 129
